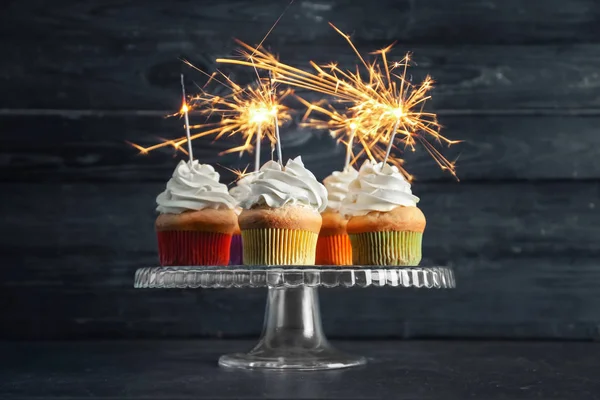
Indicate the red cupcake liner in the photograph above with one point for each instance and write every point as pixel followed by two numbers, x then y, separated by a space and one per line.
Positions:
pixel 193 248
pixel 237 251
pixel 334 250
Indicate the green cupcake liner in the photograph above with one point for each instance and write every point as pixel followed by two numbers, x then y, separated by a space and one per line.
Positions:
pixel 386 248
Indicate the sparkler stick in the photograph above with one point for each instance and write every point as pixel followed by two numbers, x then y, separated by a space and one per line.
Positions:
pixel 390 144
pixel 350 143
pixel 185 109
pixel 276 122
pixel 257 149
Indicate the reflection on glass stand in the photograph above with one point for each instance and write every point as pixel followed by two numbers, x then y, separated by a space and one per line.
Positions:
pixel 292 336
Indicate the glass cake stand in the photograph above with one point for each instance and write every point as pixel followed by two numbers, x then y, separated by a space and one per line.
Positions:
pixel 292 336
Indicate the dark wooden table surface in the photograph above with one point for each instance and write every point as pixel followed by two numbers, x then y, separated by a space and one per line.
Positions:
pixel 396 370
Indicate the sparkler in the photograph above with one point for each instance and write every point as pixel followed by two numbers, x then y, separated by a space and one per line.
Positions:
pixel 276 121
pixel 388 105
pixel 353 127
pixel 254 111
pixel 176 144
pixel 184 109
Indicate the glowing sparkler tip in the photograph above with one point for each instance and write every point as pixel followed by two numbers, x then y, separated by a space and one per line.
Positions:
pixel 260 114
pixel 398 112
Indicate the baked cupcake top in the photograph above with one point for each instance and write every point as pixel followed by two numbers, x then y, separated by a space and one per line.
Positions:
pixel 378 187
pixel 337 187
pixel 276 186
pixel 194 186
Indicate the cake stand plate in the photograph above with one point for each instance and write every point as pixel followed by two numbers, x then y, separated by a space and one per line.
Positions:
pixel 292 337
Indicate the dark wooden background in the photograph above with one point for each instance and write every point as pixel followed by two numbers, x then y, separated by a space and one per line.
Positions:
pixel 519 81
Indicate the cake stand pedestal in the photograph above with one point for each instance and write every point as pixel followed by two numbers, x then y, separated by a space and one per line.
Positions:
pixel 292 336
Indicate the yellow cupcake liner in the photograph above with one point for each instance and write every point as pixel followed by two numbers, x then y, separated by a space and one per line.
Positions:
pixel 386 248
pixel 279 247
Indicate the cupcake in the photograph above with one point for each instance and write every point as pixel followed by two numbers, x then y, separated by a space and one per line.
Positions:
pixel 196 218
pixel 239 192
pixel 281 219
pixel 386 227
pixel 333 246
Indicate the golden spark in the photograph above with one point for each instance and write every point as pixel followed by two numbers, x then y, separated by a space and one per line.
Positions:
pixel 389 106
pixel 251 111
pixel 246 111
pixel 239 173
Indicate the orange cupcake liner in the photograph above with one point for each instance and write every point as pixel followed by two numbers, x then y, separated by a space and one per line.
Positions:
pixel 279 247
pixel 386 248
pixel 334 250
pixel 186 248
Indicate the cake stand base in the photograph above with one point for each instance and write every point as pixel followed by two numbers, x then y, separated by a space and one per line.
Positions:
pixel 292 337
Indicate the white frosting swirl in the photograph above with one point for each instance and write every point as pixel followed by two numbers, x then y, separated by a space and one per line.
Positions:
pixel 337 186
pixel 193 187
pixel 378 188
pixel 292 185
pixel 241 190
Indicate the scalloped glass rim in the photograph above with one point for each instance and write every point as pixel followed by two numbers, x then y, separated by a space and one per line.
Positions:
pixel 293 276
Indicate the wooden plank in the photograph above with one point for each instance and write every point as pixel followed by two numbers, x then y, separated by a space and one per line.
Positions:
pixel 526 258
pixel 480 78
pixel 89 55
pixel 93 148
pixel 437 21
